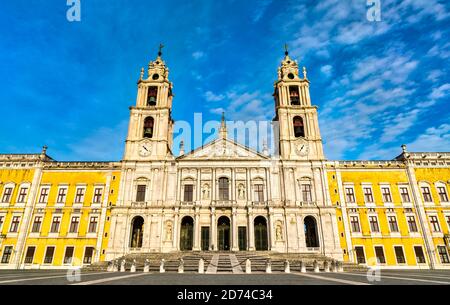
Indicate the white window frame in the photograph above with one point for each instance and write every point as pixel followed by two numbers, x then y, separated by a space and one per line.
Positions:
pixel 347 185
pixel 437 185
pixel 25 254
pixel 426 184
pixel 92 234
pixel 12 254
pixel 60 187
pixel 356 256
pixel 409 203
pixel 424 254
pixel 21 187
pixel 11 196
pixel 38 200
pixel 388 186
pixel 446 215
pixel 81 203
pixel 439 256
pixel 98 187
pixel 10 233
pixel 373 214
pixel 84 254
pixel 55 234
pixel 74 234
pixel 355 234
pixel 433 232
pixel 44 256
pixel 2 224
pixel 393 214
pixel 384 254
pixel 404 255
pixel 64 255
pixel 365 185
pixel 36 234
pixel 413 234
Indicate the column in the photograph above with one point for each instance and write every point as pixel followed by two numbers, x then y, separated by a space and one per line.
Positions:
pixel 213 236
pixel 197 230
pixel 234 231
pixel 176 231
pixel 271 231
pixel 251 230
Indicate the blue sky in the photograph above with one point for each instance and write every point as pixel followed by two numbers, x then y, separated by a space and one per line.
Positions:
pixel 377 84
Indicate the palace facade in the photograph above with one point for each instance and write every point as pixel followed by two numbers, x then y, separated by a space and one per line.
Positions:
pixel 224 196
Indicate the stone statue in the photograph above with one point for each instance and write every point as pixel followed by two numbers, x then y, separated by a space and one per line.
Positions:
pixel 279 232
pixel 205 191
pixel 169 231
pixel 241 191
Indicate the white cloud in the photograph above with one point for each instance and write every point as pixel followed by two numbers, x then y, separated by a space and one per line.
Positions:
pixel 211 97
pixel 327 70
pixel 198 55
pixel 434 139
pixel 440 92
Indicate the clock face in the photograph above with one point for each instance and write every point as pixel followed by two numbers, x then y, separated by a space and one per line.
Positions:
pixel 145 150
pixel 302 149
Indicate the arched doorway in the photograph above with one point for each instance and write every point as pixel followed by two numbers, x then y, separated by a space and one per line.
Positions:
pixel 311 237
pixel 261 240
pixel 187 234
pixel 223 233
pixel 137 232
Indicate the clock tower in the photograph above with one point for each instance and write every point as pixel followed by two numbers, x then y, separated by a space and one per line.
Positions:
pixel 296 119
pixel 151 125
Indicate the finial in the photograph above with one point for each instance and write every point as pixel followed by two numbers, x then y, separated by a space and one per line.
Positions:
pixel 44 150
pixel 181 148
pixel 265 150
pixel 286 50
pixel 142 74
pixel 223 127
pixel 161 46
pixel 304 73
pixel 404 149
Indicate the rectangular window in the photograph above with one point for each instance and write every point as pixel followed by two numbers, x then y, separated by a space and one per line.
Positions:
pixel 79 197
pixel 259 193
pixel 97 195
pixel 420 256
pixel 36 228
pixel 399 255
pixel 22 195
pixel 294 95
pixel 15 224
pixel 55 224
pixel 30 255
pixel 435 223
pixel 68 255
pixel 360 256
pixel 442 194
pixel 7 252
pixel 443 255
pixel 350 195
pixel 48 259
pixel 354 221
pixel 151 96
pixel 189 193
pixel 205 238
pixel 43 197
pixel 405 194
pixel 368 196
pixel 379 252
pixel 242 238
pixel 412 224
pixel 393 226
pixel 93 224
pixel 88 254
pixel 224 189
pixel 62 194
pixel 140 195
pixel 7 195
pixel 386 194
pixel 447 217
pixel 2 220
pixel 426 194
pixel 374 227
pixel 306 193
pixel 74 224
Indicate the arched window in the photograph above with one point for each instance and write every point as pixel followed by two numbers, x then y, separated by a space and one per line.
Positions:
pixel 137 232
pixel 148 127
pixel 299 128
pixel 224 189
pixel 151 97
pixel 261 236
pixel 187 234
pixel 311 238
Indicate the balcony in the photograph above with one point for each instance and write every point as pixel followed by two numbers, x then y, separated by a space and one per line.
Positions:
pixel 260 204
pixel 224 203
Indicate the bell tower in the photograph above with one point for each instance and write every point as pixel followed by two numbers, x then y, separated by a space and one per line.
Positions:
pixel 150 131
pixel 298 125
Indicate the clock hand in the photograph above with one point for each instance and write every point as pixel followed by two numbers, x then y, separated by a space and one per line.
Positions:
pixel 145 148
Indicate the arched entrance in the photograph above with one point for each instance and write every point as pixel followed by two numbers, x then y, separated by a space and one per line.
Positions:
pixel 223 233
pixel 311 237
pixel 261 240
pixel 137 231
pixel 187 234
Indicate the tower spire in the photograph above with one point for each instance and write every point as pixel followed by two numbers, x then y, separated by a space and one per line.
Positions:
pixel 223 127
pixel 161 46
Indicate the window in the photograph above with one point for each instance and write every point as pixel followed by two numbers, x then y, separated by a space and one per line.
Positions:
pixel 306 193
pixel 374 227
pixel 22 195
pixel 405 194
pixel 79 197
pixel 420 256
pixel 442 194
pixel 7 252
pixel 88 254
pixel 368 196
pixel 55 224
pixel 259 193
pixel 48 259
pixel 360 256
pixel 446 217
pixel 68 255
pixel 140 195
pixel 36 228
pixel 30 255
pixel 386 194
pixel 151 97
pixel 7 194
pixel 299 128
pixel 350 195
pixel 74 224
pixel 223 189
pixel 435 223
pixel 93 224
pixel 443 255
pixel 294 95
pixel 354 221
pixel 188 193
pixel 393 226
pixel 62 193
pixel 379 253
pixel 44 195
pixel 2 220
pixel 15 224
pixel 97 195
pixel 148 127
pixel 427 194
pixel 412 224
pixel 399 255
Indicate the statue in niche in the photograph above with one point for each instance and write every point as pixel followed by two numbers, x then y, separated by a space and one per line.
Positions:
pixel 169 231
pixel 279 232
pixel 205 191
pixel 241 191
